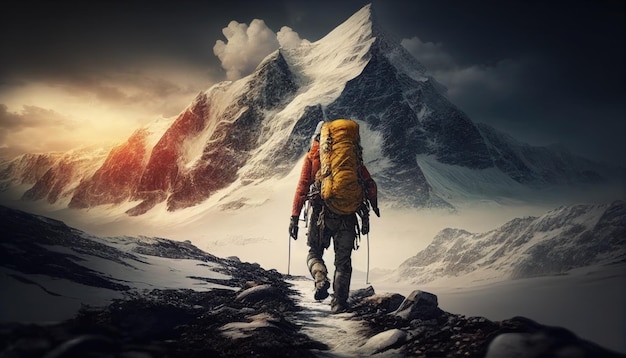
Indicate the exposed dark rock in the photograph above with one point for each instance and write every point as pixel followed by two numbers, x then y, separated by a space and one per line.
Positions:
pixel 431 332
pixel 168 323
pixel 419 304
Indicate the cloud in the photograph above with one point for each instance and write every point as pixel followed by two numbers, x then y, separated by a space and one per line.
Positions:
pixel 289 38
pixel 534 98
pixel 496 79
pixel 517 96
pixel 429 54
pixel 92 108
pixel 245 47
pixel 483 89
pixel 58 112
pixel 31 129
pixel 30 117
pixel 163 91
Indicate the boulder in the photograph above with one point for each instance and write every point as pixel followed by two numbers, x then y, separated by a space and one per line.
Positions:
pixel 419 304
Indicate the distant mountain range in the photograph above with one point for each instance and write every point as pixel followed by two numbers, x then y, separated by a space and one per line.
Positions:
pixel 563 239
pixel 258 127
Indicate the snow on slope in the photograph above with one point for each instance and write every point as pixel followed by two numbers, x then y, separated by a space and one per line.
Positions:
pixel 323 67
pixel 45 262
pixel 321 70
pixel 558 241
pixel 461 185
pixel 30 297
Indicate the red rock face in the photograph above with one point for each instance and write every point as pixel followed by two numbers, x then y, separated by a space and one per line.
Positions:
pixel 163 169
pixel 117 178
pixel 169 170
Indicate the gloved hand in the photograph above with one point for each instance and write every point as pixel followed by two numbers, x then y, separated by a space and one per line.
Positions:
pixel 293 228
pixel 374 204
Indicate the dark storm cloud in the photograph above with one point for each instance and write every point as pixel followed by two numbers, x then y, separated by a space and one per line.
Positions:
pixel 544 72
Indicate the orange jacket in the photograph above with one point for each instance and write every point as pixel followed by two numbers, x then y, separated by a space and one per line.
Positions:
pixel 307 176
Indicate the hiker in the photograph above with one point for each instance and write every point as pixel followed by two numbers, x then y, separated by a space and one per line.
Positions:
pixel 325 223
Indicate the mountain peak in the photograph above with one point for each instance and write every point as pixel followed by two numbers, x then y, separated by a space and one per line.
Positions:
pixel 257 128
pixel 360 23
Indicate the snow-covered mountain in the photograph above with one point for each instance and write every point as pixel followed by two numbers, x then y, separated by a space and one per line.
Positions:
pixel 563 239
pixel 256 128
pixel 52 177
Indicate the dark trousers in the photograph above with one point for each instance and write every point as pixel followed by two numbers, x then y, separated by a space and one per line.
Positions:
pixel 341 228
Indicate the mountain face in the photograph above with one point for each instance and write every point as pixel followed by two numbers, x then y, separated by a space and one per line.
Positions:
pixel 537 166
pixel 258 127
pixel 561 240
pixel 53 176
pixel 26 169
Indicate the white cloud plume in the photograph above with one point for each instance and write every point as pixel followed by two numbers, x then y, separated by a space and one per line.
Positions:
pixel 289 38
pixel 245 47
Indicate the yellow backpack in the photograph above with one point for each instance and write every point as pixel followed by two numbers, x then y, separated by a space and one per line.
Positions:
pixel 340 165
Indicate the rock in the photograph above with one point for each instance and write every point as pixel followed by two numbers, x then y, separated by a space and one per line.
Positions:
pixel 531 339
pixel 418 304
pixel 258 293
pixel 383 341
pixel 386 302
pixel 527 345
pixel 358 295
pixel 236 330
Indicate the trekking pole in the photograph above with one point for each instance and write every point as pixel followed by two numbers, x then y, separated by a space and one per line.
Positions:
pixel 289 257
pixel 307 205
pixel 367 273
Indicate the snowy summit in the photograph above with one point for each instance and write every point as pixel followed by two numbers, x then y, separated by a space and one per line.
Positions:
pixel 257 128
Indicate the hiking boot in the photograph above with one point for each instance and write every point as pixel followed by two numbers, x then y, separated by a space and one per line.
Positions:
pixel 321 289
pixel 337 306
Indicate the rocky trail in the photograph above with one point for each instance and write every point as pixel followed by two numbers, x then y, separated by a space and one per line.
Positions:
pixel 339 332
pixel 247 311
pixel 275 316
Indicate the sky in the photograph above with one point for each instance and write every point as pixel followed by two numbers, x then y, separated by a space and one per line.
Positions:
pixel 75 73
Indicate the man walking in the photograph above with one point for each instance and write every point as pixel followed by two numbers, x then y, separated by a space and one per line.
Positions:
pixel 326 223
